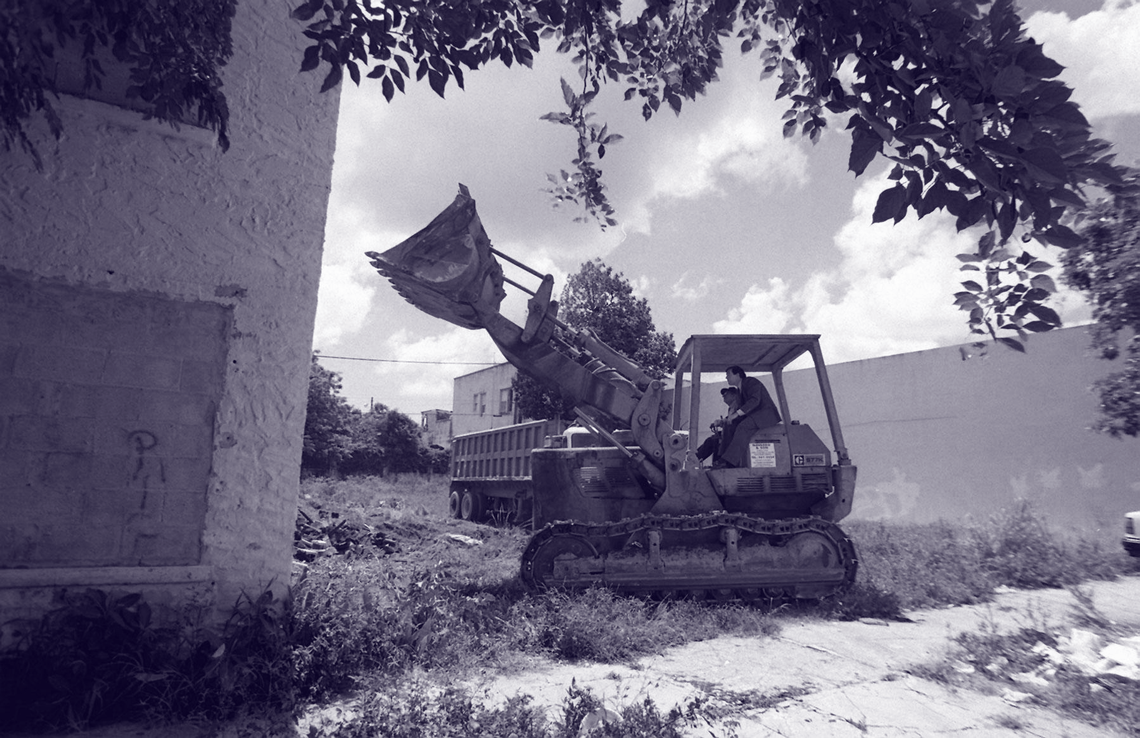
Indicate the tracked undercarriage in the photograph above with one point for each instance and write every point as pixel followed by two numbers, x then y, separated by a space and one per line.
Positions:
pixel 721 555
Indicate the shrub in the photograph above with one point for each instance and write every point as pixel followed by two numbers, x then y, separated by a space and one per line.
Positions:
pixel 98 658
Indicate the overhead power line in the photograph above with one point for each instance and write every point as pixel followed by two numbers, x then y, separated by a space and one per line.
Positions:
pixel 409 361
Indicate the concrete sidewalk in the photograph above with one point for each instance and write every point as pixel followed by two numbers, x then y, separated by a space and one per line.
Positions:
pixel 839 679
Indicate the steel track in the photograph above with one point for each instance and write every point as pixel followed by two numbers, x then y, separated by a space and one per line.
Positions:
pixel 591 544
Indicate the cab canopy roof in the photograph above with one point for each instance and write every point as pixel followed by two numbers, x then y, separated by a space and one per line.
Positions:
pixel 753 353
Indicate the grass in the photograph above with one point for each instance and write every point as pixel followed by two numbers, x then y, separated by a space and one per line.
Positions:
pixel 415 709
pixel 404 623
pixel 449 602
pixel 939 564
pixel 442 609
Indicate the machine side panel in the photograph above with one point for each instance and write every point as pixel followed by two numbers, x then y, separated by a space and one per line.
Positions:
pixel 586 485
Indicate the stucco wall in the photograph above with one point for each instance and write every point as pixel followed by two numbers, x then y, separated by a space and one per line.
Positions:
pixel 135 211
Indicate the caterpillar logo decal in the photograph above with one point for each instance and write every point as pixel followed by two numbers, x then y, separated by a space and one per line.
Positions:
pixel 808 460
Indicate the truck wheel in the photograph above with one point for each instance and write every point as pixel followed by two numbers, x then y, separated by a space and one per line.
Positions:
pixel 471 506
pixel 453 504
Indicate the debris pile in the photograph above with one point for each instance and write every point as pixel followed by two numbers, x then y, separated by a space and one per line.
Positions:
pixel 328 533
pixel 1099 657
pixel 1037 663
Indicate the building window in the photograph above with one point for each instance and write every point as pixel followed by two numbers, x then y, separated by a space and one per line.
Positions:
pixel 482 403
pixel 505 401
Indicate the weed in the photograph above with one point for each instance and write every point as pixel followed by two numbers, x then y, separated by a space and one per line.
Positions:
pixel 1009 722
pixel 413 709
pixel 1031 660
pixel 937 564
pixel 863 600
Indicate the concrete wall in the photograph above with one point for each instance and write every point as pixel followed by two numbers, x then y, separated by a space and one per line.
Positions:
pixel 949 433
pixel 155 333
pixel 469 414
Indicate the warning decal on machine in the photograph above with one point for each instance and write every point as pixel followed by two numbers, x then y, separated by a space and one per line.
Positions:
pixel 762 455
pixel 808 460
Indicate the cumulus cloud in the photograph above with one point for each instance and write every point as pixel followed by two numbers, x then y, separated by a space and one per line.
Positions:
pixel 1101 53
pixel 732 139
pixel 425 381
pixel 746 145
pixel 343 301
pixel 683 290
pixel 891 293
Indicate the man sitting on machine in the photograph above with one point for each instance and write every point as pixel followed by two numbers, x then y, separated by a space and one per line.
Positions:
pixel 756 411
pixel 711 445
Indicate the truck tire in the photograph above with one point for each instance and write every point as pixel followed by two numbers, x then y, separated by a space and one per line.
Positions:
pixel 471 506
pixel 453 504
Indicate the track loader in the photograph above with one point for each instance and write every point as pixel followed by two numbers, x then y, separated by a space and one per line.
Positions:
pixel 636 510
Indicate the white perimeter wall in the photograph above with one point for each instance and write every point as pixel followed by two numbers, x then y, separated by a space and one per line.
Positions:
pixel 936 435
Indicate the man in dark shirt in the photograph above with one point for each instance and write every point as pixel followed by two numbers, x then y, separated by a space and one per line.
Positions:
pixel 711 445
pixel 756 411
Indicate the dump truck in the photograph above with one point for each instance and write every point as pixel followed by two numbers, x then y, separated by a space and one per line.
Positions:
pixel 636 510
pixel 491 471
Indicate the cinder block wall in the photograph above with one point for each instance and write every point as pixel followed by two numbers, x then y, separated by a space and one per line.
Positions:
pixel 157 298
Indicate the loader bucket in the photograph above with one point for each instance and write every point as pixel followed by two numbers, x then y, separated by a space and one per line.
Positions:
pixel 447 269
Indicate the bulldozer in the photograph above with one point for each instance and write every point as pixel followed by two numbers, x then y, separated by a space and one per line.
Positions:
pixel 634 509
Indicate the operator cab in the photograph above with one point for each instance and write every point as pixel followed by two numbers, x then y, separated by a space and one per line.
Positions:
pixel 787 465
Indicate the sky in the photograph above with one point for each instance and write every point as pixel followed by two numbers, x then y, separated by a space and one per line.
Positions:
pixel 724 225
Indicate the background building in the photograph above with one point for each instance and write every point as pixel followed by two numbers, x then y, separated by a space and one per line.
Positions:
pixel 435 428
pixel 483 400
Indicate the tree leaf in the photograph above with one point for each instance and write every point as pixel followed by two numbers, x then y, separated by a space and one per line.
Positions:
pixel 1043 282
pixel 332 79
pixel 437 81
pixel 865 144
pixel 1061 236
pixel 1045 313
pixel 1046 164
pixel 1009 81
pixel 1012 343
pixel 891 204
pixel 312 58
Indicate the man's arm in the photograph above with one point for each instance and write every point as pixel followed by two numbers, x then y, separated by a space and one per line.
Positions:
pixel 753 394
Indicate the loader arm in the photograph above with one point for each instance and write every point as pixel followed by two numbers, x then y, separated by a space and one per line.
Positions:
pixel 449 271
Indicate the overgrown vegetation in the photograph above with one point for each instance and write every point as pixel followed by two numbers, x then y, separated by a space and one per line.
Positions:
pixel 415 710
pixel 341 440
pixel 99 658
pixel 947 563
pixel 438 600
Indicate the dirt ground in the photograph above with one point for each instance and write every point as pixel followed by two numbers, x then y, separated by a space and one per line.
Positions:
pixel 841 679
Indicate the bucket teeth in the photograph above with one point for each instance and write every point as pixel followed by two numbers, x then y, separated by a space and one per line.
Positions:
pixel 447 269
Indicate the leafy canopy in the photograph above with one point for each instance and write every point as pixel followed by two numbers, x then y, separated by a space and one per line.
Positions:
pixel 966 107
pixel 328 422
pixel 341 440
pixel 1107 269
pixel 173 50
pixel 598 298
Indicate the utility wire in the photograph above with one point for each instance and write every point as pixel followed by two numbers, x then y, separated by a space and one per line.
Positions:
pixel 409 361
